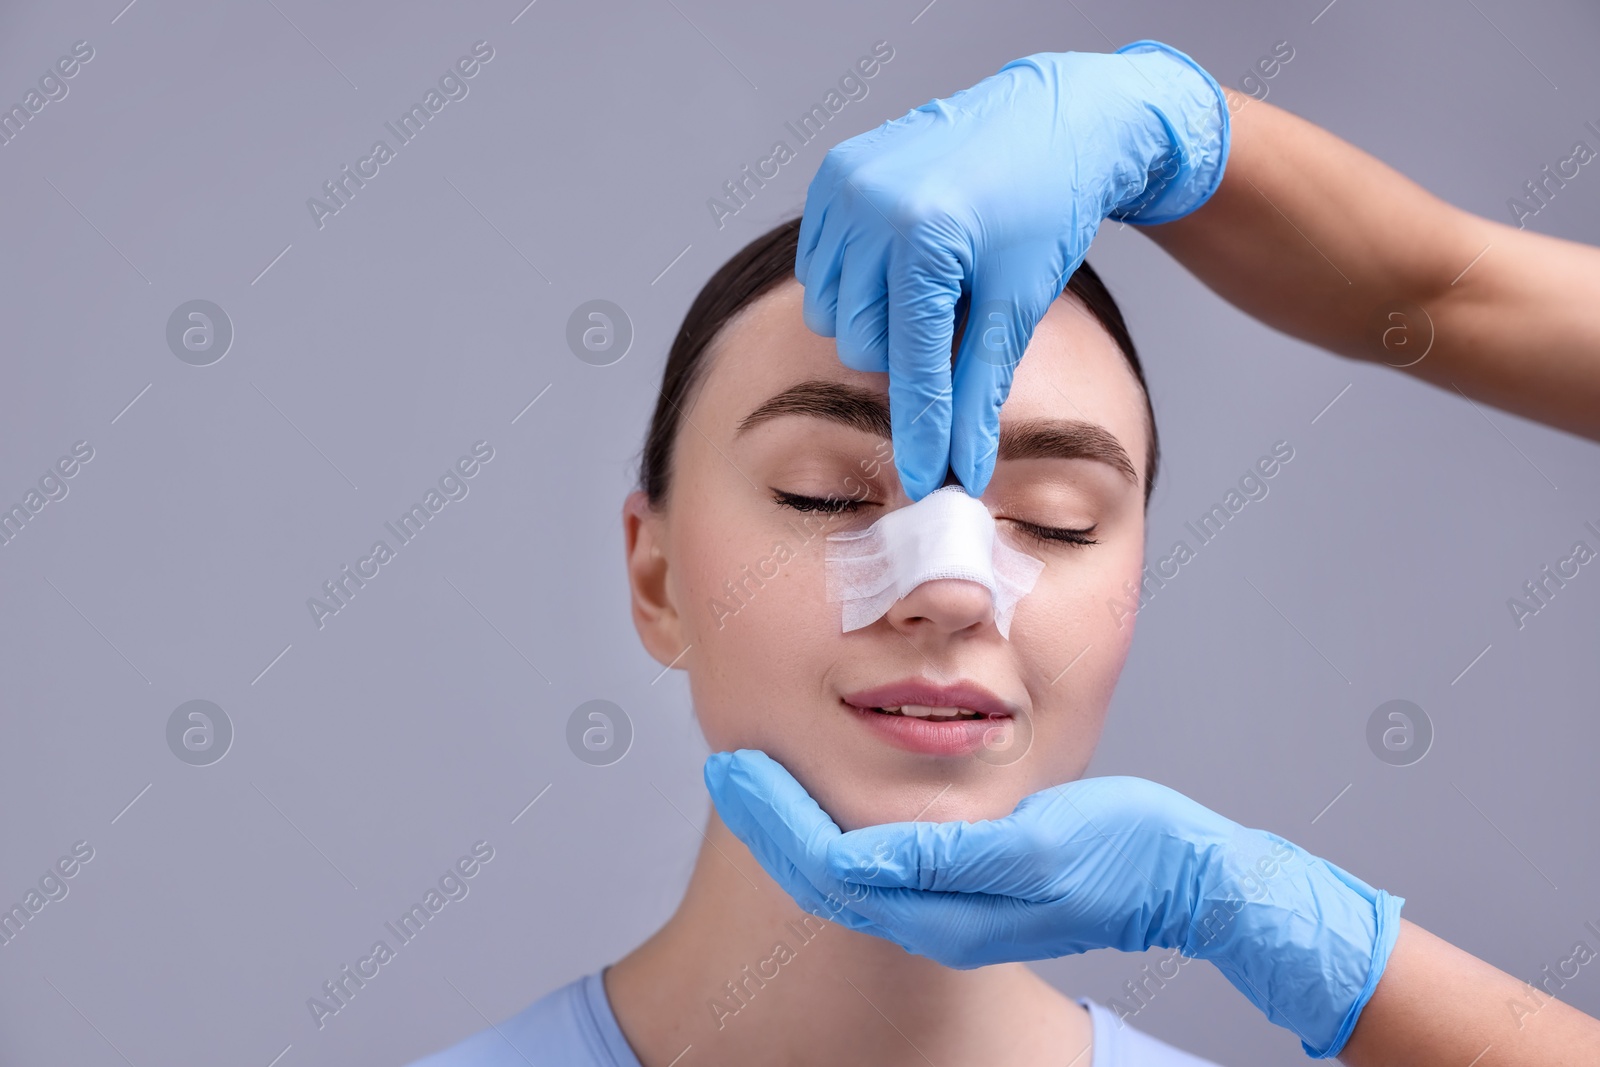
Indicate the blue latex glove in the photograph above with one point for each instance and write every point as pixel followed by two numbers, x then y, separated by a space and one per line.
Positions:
pixel 1118 863
pixel 994 192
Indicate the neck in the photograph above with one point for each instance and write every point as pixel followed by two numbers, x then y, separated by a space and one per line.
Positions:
pixel 743 974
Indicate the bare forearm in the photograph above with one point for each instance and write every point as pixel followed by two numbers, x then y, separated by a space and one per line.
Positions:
pixel 1322 241
pixel 1438 1005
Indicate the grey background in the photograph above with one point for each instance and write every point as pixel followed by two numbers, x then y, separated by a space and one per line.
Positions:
pixel 426 315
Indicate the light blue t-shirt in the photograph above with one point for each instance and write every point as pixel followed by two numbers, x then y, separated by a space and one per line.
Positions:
pixel 573 1027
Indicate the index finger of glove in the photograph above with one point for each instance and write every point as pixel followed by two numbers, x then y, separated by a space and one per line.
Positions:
pixel 773 815
pixel 1000 323
pixel 823 267
pixel 821 198
pixel 924 285
pixel 773 842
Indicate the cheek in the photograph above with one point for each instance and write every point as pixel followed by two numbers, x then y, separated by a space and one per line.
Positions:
pixel 1083 599
pixel 752 595
pixel 1072 634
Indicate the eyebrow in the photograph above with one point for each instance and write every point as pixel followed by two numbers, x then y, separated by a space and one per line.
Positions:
pixel 865 410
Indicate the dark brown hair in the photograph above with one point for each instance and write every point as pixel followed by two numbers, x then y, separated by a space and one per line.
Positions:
pixel 758 267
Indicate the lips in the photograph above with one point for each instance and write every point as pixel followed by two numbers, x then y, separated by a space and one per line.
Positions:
pixel 924 698
pixel 938 720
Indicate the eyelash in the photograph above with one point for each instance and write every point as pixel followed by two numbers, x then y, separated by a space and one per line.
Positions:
pixel 835 505
pixel 831 505
pixel 1056 534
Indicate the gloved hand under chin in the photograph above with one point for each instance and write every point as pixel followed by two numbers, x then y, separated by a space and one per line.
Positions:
pixel 1098 863
pixel 995 192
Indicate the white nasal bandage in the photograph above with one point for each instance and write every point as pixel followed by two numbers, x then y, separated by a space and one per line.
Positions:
pixel 946 534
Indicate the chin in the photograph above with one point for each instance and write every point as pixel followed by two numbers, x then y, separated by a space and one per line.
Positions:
pixel 862 800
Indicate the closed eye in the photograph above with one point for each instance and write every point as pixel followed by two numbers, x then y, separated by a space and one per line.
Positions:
pixel 839 504
pixel 1056 534
pixel 830 504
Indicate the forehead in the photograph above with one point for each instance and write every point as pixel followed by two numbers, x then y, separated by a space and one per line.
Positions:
pixel 1072 367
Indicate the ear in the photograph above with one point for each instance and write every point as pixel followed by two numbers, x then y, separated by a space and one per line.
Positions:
pixel 654 614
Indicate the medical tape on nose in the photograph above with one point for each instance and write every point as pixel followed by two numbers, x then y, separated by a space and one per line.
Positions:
pixel 946 534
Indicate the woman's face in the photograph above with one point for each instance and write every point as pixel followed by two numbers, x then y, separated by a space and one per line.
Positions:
pixel 728 579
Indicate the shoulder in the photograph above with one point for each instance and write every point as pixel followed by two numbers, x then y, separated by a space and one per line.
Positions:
pixel 572 1026
pixel 1117 1044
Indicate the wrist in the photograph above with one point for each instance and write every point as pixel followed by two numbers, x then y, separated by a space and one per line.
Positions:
pixel 1353 988
pixel 1300 937
pixel 1195 133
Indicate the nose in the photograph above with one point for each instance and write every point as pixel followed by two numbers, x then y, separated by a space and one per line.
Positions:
pixel 943 606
